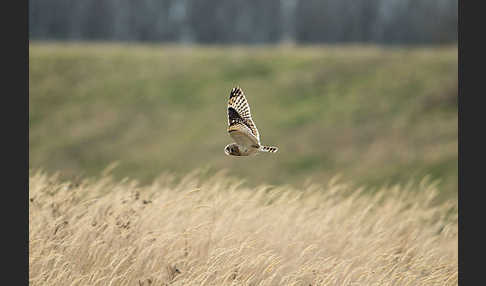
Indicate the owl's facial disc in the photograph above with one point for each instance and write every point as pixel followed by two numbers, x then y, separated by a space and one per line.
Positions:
pixel 231 149
pixel 227 150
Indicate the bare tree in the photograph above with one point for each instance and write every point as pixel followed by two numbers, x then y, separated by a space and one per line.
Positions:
pixel 246 21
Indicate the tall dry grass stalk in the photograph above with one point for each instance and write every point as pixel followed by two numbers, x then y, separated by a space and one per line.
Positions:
pixel 215 231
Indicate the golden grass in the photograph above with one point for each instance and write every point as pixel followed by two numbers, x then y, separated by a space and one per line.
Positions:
pixel 216 231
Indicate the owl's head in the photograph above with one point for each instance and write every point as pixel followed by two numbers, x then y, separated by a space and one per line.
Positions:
pixel 232 150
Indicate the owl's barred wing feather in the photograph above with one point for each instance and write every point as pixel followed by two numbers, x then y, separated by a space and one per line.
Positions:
pixel 239 111
pixel 242 128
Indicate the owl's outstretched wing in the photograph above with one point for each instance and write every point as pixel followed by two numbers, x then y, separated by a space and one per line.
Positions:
pixel 239 111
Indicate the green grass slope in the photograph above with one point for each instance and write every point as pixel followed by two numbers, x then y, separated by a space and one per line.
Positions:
pixel 373 115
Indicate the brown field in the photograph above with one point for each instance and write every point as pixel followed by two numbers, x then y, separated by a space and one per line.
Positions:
pixel 200 230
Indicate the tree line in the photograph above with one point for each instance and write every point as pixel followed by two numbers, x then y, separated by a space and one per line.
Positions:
pixel 246 21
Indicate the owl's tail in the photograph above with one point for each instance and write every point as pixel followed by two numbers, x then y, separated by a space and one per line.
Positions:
pixel 270 149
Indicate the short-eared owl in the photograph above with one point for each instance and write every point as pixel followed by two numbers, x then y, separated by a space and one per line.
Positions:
pixel 242 128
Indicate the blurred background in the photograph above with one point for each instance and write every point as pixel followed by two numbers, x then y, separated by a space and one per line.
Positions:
pixel 364 89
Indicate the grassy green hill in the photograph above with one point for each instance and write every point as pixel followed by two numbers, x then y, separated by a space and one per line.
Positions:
pixel 373 115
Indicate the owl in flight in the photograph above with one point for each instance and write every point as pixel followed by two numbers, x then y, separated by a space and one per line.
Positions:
pixel 242 128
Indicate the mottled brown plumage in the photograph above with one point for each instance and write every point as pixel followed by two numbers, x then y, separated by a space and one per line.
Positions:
pixel 242 128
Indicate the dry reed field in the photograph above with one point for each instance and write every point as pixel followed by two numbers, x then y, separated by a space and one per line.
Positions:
pixel 214 230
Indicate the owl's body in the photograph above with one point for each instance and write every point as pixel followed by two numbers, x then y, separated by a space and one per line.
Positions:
pixel 242 128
